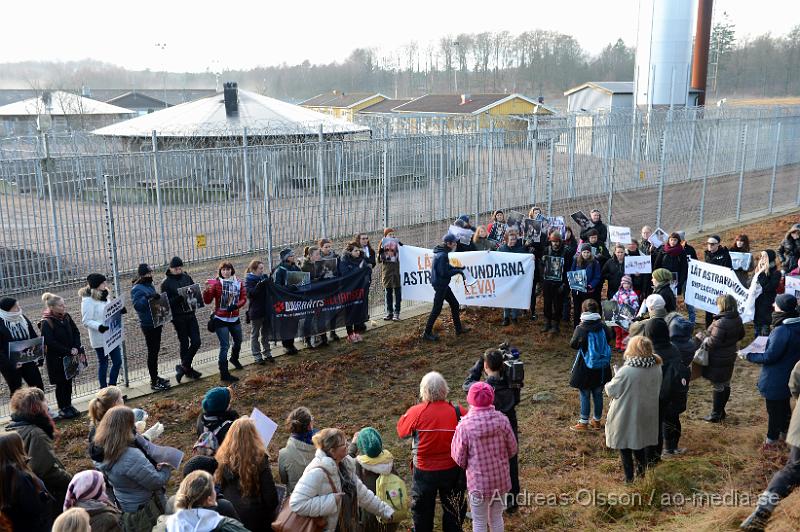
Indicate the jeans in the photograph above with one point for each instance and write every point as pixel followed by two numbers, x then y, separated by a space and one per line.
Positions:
pixel 152 337
pixel 448 485
pixel 102 366
pixel 64 394
pixel 29 372
pixel 627 456
pixel 440 296
pixel 788 478
pixel 225 331
pixel 394 296
pixel 188 332
pixel 595 394
pixel 487 513
pixel 692 314
pixel 260 330
pixel 780 413
pixel 512 313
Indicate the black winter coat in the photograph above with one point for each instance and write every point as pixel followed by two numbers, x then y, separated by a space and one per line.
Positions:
pixel 724 333
pixel 602 232
pixel 769 291
pixel 506 398
pixel 561 252
pixel 442 271
pixel 721 257
pixel 612 273
pixel 28 506
pixel 665 291
pixel 170 285
pixel 60 337
pixel 256 294
pixel 789 252
pixel 676 264
pixel 5 338
pixel 584 377
pixel 680 335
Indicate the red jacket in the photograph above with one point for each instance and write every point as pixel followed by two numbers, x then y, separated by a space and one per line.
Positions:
pixel 214 293
pixel 432 426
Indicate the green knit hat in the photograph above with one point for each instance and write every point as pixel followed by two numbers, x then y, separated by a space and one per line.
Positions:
pixel 662 275
pixel 369 442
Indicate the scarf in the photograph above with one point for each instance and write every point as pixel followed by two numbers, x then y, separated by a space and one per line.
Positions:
pixel 779 316
pixel 85 486
pixel 382 458
pixel 673 251
pixel 42 421
pixel 348 515
pixel 641 362
pixel 305 437
pixel 590 316
pixel 16 324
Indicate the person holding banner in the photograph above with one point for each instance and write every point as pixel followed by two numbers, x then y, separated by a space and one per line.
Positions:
pixel 61 340
pixel 554 285
pixel 254 285
pixel 768 276
pixel 441 272
pixel 352 260
pixel 279 276
pixel 719 255
pixel 513 244
pixel 586 261
pixel 94 299
pixel 614 270
pixel 721 338
pixel 15 327
pixel 480 240
pixel 142 293
pixel 789 252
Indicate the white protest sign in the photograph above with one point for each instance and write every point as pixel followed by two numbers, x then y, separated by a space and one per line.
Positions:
pixel 265 426
pixel 758 345
pixel 741 261
pixel 637 264
pixel 619 235
pixel 494 279
pixel 706 282
pixel 113 320
pixel 792 285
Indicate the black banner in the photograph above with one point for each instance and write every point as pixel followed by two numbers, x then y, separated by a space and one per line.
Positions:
pixel 297 312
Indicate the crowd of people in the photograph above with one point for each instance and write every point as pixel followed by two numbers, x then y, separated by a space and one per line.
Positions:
pixel 342 484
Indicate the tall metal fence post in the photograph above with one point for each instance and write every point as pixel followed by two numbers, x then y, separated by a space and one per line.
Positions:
pixel 775 169
pixel 323 206
pixel 571 136
pixel 661 177
pixel 476 185
pixel 386 182
pixel 550 155
pixel 490 168
pixel 46 164
pixel 534 140
pixel 690 166
pixel 441 175
pixel 268 208
pixel 157 176
pixel 247 205
pixel 112 256
pixel 741 175
pixel 610 176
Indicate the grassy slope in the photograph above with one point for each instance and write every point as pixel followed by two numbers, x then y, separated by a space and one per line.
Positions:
pixel 373 383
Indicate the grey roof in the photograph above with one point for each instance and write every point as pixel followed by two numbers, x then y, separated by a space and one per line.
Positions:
pixel 137 100
pixel 61 104
pixel 384 106
pixel 172 96
pixel 342 100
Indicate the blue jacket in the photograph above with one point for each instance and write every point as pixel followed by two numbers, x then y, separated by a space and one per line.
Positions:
pixel 140 295
pixel 778 360
pixel 593 277
pixel 442 271
pixel 255 294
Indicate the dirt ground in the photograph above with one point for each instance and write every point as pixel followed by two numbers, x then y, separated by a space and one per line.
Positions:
pixel 374 382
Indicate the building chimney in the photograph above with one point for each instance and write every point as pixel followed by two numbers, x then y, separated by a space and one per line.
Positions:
pixel 86 92
pixel 465 98
pixel 702 40
pixel 231 93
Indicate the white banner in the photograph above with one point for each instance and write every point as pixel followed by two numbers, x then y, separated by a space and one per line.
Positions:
pixel 708 281
pixel 494 279
pixel 619 235
pixel 113 320
pixel 638 264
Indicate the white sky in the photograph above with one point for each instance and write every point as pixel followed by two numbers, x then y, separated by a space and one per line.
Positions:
pixel 227 34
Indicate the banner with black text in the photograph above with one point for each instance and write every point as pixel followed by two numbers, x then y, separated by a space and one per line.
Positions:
pixel 706 282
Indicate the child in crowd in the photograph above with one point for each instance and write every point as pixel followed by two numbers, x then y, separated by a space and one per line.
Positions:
pixel 624 296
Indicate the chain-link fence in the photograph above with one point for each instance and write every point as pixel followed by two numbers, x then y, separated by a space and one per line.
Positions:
pixel 67 215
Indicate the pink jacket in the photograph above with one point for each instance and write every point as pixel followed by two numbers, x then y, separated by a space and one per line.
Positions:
pixel 483 444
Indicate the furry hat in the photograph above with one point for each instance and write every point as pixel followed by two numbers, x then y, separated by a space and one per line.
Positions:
pixel 94 280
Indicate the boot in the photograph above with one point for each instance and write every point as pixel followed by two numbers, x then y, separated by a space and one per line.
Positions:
pixel 726 394
pixel 717 412
pixel 757 521
pixel 506 322
pixel 556 328
pixel 547 324
pixel 225 375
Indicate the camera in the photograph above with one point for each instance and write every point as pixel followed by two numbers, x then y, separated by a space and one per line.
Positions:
pixel 513 367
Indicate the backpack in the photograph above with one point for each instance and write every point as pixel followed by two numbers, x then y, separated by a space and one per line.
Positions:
pixel 599 355
pixel 207 443
pixel 392 490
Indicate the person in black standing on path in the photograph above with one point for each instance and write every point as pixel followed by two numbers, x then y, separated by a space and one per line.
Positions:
pixel 441 272
pixel 142 293
pixel 554 288
pixel 719 255
pixel 15 327
pixel 61 339
pixel 183 318
pixel 280 277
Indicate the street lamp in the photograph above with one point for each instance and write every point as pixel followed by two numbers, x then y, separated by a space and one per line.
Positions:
pixel 455 71
pixel 163 46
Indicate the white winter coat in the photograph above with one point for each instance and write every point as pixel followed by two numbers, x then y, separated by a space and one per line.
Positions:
pixel 312 496
pixel 93 313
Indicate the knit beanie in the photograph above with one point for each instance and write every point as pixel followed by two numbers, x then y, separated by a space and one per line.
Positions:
pixel 369 442
pixel 626 279
pixel 94 280
pixel 662 275
pixel 586 247
pixel 657 331
pixel 176 262
pixel 480 394
pixel 286 253
pixel 143 270
pixel 200 463
pixel 7 303
pixel 388 231
pixel 655 302
pixel 449 238
pixel 681 235
pixel 786 302
pixel 216 400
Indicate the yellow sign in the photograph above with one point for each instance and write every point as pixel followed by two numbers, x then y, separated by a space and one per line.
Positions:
pixel 641 175
pixel 200 241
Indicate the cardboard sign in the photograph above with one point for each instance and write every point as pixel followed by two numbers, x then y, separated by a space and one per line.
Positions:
pixel 264 425
pixel 619 235
pixel 638 264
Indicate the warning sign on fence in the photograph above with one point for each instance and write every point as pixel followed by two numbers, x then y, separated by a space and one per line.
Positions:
pixel 200 241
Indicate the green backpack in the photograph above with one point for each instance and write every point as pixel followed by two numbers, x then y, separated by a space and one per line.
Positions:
pixel 392 490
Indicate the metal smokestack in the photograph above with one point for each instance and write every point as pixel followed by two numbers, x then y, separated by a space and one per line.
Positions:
pixel 702 42
pixel 231 94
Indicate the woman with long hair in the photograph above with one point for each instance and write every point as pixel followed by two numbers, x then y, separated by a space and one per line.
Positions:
pixel 138 483
pixel 61 339
pixel 229 295
pixel 94 300
pixel 257 311
pixel 15 327
pixel 87 490
pixel 195 503
pixel 353 260
pixel 244 476
pixel 481 239
pixel 31 420
pixel 24 499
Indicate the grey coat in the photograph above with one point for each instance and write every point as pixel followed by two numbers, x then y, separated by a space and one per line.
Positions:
pixel 135 479
pixel 292 462
pixel 793 436
pixel 632 420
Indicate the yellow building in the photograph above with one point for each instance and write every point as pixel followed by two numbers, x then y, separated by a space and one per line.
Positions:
pixel 342 105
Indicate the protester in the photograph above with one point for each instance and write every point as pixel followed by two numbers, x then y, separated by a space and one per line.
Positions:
pixel 480 240
pixel 87 490
pixel 554 289
pixel 632 421
pixel 183 318
pixel 254 284
pixel 720 341
pixel 599 227
pixel 482 445
pixel 673 258
pixel 280 277
pixel 441 272
pixel 742 245
pixel 513 244
pixel 217 416
pixel 103 401
pixel 586 261
pixel 641 281
pixel 15 327
pixel 61 340
pixel 368 254
pixel 625 295
pixel 788 478
pixel 299 450
pixel 463 222
pixel 681 331
pixel 599 249
pixel 244 476
pixel 662 285
pixel 326 249
pixel 209 465
pixel 390 276
pixel 719 255
pixel 371 461
pixel 352 260
pixel 777 362
pixel 330 488
pixel 536 247
pixel 497 229
pixel 789 251
pixel 196 505
pixel 655 309
pixel 311 254
pixel 138 483
pixel 432 424
pixel 31 420
pixel 691 254
pixel 768 276
pixel 142 293
pixel 228 294
pixel 613 270
pixel 592 366
pixel 647 247
pixel 73 520
pixel 570 249
pixel 24 500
